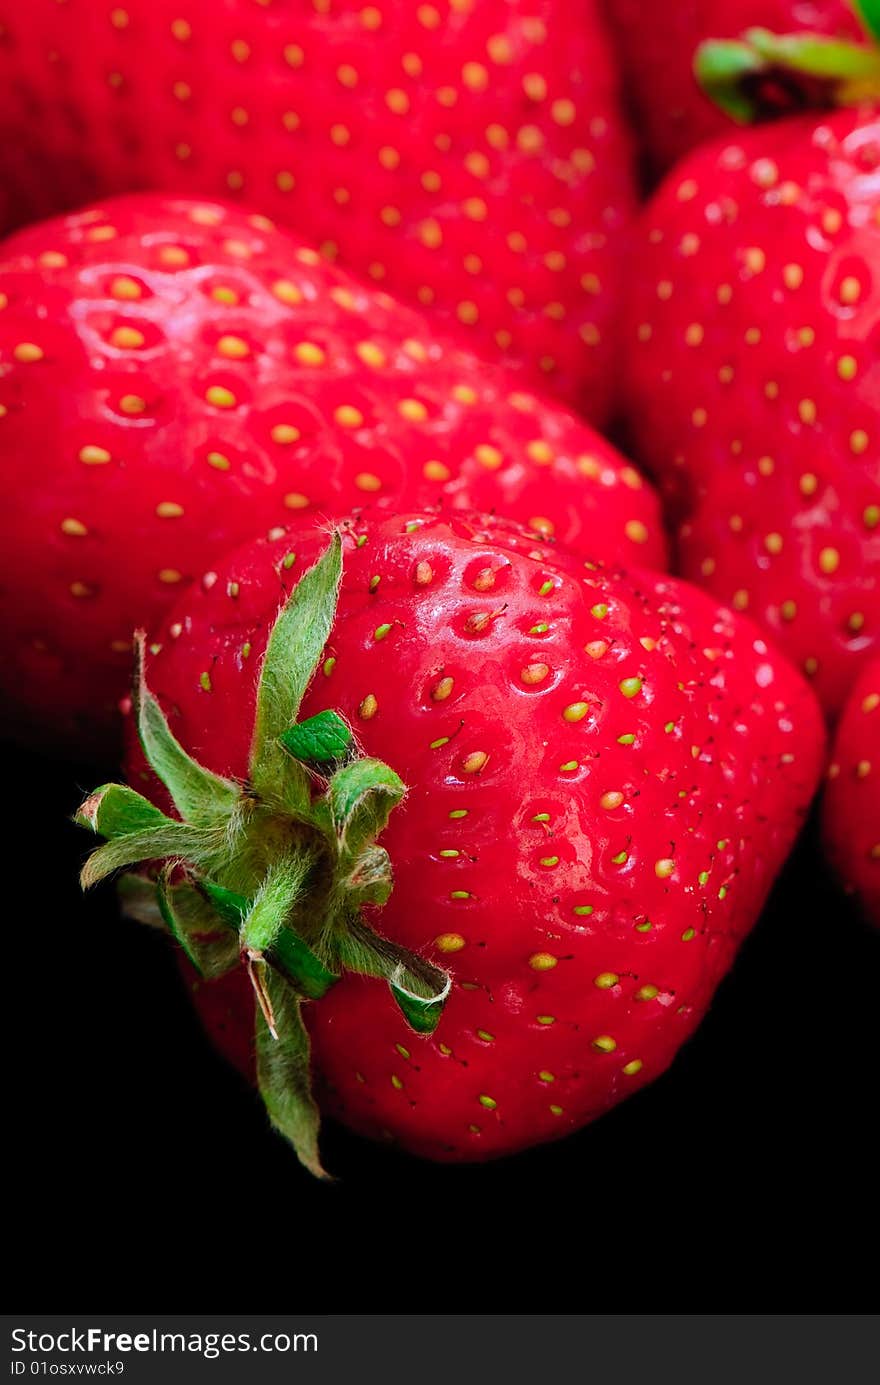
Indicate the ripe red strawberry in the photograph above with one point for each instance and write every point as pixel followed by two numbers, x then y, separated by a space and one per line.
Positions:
pixel 177 377
pixel 468 157
pixel 851 805
pixel 605 773
pixel 659 44
pixel 753 385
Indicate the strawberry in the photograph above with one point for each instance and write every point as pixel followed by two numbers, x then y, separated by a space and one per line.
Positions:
pixel 188 377
pixel 752 382
pixel 661 46
pixel 851 805
pixel 604 774
pixel 469 157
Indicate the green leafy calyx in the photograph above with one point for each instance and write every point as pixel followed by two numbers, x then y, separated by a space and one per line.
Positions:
pixel 270 875
pixel 868 13
pixel 738 74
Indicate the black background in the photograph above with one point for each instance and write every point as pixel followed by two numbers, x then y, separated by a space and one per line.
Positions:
pixel 141 1175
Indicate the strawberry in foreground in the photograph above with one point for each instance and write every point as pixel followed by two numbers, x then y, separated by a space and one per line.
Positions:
pixel 763 58
pixel 604 774
pixel 468 156
pixel 753 386
pixel 178 377
pixel 851 803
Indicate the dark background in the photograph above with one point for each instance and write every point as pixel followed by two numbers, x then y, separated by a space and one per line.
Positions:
pixel 141 1173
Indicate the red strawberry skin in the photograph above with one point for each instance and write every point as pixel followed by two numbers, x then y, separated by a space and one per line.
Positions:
pixel 177 377
pixel 753 386
pixel 604 778
pixel 851 804
pixel 468 157
pixel 657 45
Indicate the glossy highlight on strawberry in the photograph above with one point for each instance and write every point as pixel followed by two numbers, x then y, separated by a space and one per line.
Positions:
pixel 467 155
pixel 752 384
pixel 178 376
pixel 604 774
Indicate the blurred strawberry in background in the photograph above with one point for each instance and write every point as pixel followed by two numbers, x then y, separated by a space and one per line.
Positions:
pixel 658 47
pixel 468 157
pixel 851 806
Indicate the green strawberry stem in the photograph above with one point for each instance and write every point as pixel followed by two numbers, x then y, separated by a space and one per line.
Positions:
pixel 270 875
pixel 731 71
